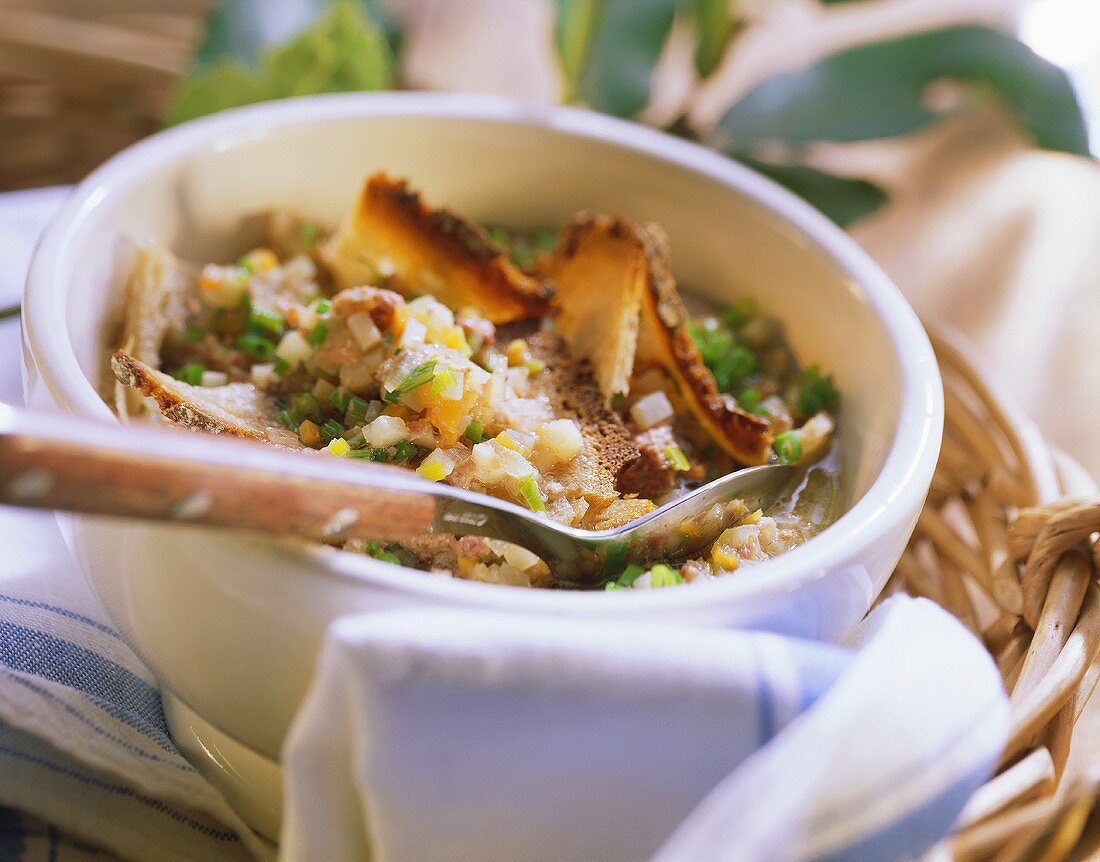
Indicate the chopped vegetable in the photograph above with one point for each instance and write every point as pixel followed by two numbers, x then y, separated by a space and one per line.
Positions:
pixel 529 490
pixel 309 432
pixel 406 451
pixel 330 430
pixel 475 432
pixel 191 373
pixel 740 313
pixel 437 466
pixel 318 334
pixel 310 231
pixel 307 406
pixel 382 553
pixel 651 409
pixel 815 392
pixel 677 458
pixel 788 447
pixel 266 321
pixel 193 334
pixel 337 446
pixel 664 576
pixel 214 378
pixel 256 345
pixel 356 411
pixel 416 378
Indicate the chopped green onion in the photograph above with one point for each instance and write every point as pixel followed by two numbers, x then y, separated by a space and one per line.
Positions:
pixel 677 458
pixel 740 313
pixel 322 306
pixel 405 451
pixel 383 553
pixel 415 379
pixel 246 265
pixel 256 345
pixel 355 440
pixel 612 585
pixel 286 419
pixel 749 399
pixel 816 392
pixel 529 490
pixel 194 334
pixel 331 430
pixel 475 432
pixel 370 454
pixel 618 400
pixel 356 411
pixel 340 398
pixel 310 231
pixel 544 240
pixel 630 574
pixel 281 366
pixel 442 381
pixel 307 406
pixel 318 334
pixel 788 448
pixel 499 236
pixel 266 321
pixel 191 373
pixel 664 576
pixel 391 397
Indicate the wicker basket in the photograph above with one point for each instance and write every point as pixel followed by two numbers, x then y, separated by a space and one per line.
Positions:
pixel 1006 542
pixel 81 79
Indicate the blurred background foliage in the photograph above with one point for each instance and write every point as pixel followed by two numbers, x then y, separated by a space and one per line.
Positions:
pixel 607 52
pixel 79 79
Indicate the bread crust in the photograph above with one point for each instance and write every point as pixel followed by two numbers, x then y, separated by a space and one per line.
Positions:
pixel 394 237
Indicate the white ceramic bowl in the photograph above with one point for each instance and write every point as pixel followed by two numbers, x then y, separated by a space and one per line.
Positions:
pixel 231 623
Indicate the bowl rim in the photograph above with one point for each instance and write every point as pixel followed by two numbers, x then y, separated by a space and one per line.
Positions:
pixel 891 502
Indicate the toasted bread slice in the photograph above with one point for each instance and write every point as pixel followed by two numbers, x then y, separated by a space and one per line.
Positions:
pixel 156 303
pixel 619 308
pixel 393 233
pixel 238 409
pixel 664 339
pixel 599 269
pixel 570 388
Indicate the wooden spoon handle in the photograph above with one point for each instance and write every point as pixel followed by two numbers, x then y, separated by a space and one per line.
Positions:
pixel 51 461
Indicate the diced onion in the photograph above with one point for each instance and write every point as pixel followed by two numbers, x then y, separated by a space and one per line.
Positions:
pixel 385 431
pixel 293 349
pixel 214 378
pixel 363 330
pixel 360 374
pixel 559 441
pixel 519 557
pixel 262 374
pixel 414 333
pixel 651 410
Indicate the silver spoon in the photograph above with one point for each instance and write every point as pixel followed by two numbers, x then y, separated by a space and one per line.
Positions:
pixel 52 461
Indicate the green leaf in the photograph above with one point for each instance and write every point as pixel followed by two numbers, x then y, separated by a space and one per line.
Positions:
pixel 225 84
pixel 241 29
pixel 621 41
pixel 715 26
pixel 573 30
pixel 341 51
pixel 841 199
pixel 875 91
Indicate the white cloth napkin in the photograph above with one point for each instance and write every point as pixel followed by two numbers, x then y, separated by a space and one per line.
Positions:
pixel 445 736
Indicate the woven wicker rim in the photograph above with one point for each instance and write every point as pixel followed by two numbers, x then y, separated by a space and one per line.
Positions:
pixel 1008 544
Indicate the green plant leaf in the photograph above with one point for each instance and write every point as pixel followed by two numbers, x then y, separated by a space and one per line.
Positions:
pixel 573 30
pixel 841 199
pixel 875 91
pixel 242 29
pixel 340 51
pixel 715 27
pixel 611 46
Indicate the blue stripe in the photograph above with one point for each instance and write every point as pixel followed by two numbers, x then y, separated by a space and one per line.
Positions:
pixel 124 792
pixel 13 835
pixel 107 684
pixel 62 612
pixel 178 762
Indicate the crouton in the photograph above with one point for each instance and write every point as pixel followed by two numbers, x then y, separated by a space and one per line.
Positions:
pixel 393 237
pixel 237 409
pixel 599 269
